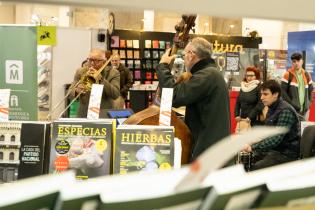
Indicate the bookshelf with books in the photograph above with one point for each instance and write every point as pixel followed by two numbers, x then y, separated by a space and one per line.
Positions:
pixel 140 52
pixel 154 46
pixel 127 45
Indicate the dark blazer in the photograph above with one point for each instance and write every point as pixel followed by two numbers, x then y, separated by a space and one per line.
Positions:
pixel 206 98
pixel 126 80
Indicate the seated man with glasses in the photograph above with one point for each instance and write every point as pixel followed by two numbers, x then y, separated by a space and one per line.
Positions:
pixel 108 77
pixel 205 95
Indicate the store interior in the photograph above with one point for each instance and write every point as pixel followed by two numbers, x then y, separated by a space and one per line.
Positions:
pixel 86 22
pixel 140 31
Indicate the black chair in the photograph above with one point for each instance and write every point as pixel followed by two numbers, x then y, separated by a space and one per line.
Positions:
pixel 307 144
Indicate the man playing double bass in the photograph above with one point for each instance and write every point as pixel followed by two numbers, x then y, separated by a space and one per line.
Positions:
pixel 205 95
pixel 109 77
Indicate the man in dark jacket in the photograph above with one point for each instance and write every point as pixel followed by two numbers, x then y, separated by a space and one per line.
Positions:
pixel 126 81
pixel 205 95
pixel 282 148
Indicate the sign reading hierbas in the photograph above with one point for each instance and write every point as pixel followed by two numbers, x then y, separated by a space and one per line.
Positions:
pixel 143 148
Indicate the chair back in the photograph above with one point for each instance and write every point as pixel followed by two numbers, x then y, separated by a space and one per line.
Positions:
pixel 307 144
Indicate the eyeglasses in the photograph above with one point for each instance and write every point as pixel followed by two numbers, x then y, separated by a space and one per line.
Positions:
pixel 94 60
pixel 250 75
pixel 188 52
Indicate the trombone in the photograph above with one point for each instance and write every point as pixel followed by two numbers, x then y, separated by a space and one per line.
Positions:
pixel 87 80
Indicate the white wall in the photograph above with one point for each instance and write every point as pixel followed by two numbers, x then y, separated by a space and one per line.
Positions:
pixel 269 30
pixel 7 14
pixel 94 42
pixel 73 46
pixel 306 27
pixel 23 13
pixel 64 16
pixel 148 20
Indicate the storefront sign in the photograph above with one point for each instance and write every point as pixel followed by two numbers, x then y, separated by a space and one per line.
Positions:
pixel 220 47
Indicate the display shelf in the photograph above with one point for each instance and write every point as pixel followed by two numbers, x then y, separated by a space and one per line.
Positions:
pixel 44 63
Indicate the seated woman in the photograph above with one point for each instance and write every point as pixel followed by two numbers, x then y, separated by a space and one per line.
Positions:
pixel 248 105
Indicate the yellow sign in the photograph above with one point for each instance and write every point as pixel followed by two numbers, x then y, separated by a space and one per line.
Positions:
pixel 219 47
pixel 46 35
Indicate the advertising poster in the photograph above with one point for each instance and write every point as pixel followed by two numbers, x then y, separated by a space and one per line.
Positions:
pixel 18 70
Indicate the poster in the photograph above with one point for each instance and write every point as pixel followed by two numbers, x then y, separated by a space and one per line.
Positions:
pixel 18 70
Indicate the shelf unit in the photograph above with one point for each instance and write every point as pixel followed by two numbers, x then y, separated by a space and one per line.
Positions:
pixel 44 65
pixel 140 52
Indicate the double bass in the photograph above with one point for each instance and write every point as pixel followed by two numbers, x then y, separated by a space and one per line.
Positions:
pixel 150 115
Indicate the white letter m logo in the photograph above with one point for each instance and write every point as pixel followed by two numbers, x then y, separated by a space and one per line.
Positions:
pixel 14 72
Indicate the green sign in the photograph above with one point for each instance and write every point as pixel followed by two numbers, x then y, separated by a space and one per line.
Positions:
pixel 46 35
pixel 18 70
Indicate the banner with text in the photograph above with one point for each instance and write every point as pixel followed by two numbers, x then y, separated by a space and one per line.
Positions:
pixel 18 70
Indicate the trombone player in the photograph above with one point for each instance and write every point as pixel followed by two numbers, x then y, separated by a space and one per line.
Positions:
pixel 107 76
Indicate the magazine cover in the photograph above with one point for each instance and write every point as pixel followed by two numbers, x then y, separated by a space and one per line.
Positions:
pixel 143 148
pixel 22 149
pixel 83 145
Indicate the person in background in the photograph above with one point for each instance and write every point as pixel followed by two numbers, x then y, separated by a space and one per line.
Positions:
pixel 110 78
pixel 248 104
pixel 281 148
pixel 297 88
pixel 126 81
pixel 108 53
pixel 205 95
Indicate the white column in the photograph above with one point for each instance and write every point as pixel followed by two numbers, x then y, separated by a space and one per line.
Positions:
pixel 23 13
pixel 148 20
pixel 65 16
pixel 269 30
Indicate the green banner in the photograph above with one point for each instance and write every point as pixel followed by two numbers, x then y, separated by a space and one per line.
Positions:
pixel 18 70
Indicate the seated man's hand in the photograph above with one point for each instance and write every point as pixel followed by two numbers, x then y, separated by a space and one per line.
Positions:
pixel 247 148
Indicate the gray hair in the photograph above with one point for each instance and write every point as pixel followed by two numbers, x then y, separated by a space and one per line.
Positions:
pixel 202 47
